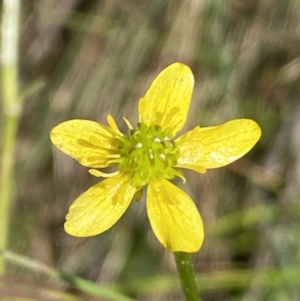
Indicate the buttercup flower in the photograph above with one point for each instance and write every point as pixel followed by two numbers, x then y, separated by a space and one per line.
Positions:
pixel 150 155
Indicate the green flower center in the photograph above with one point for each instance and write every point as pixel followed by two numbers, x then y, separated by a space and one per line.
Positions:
pixel 148 153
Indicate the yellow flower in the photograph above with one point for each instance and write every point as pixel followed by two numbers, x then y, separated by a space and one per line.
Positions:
pixel 150 155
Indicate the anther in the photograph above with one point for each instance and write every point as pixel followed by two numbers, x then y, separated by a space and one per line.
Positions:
pixel 138 145
pixel 163 157
pixel 151 156
pixel 156 139
pixel 157 127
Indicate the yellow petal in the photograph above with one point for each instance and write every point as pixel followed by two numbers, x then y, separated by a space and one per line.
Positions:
pixel 217 146
pixel 89 142
pixel 174 217
pixel 167 101
pixel 100 207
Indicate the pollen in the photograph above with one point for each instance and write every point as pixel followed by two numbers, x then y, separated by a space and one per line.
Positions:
pixel 148 153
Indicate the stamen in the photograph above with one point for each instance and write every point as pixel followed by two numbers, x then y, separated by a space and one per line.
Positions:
pixel 180 175
pixel 128 123
pixel 151 154
pixel 138 145
pixel 138 195
pixel 97 173
pixel 163 157
pixel 113 156
pixel 113 161
pixel 112 123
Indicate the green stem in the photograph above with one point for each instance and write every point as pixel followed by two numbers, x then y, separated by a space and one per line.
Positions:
pixel 187 277
pixel 11 108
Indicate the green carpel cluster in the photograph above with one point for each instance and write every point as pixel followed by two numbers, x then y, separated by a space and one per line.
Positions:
pixel 148 153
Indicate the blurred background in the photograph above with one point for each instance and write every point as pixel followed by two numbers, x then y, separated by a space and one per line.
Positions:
pixel 89 58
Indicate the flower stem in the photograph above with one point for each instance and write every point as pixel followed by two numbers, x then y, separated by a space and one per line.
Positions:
pixel 10 110
pixel 187 277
